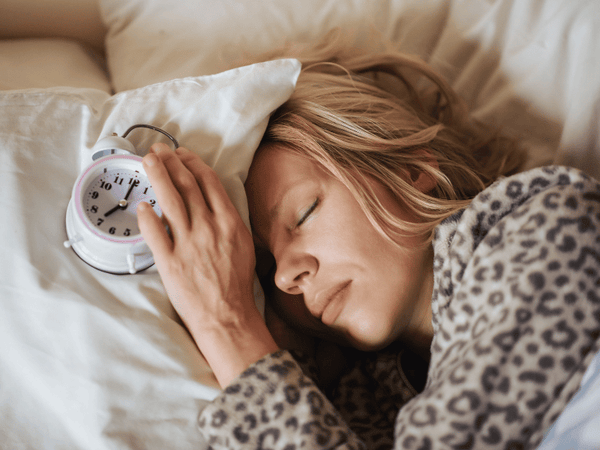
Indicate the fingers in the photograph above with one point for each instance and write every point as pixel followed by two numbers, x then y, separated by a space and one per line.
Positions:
pixel 176 188
pixel 190 195
pixel 167 195
pixel 212 189
pixel 154 231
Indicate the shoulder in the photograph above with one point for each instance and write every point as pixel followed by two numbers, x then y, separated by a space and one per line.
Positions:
pixel 552 190
pixel 530 236
pixel 515 309
pixel 548 208
pixel 535 205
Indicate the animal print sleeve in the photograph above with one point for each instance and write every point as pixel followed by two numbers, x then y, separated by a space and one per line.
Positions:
pixel 517 312
pixel 274 405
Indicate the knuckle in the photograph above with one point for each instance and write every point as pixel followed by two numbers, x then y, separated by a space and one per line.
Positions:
pixel 209 174
pixel 170 204
pixel 186 180
pixel 188 156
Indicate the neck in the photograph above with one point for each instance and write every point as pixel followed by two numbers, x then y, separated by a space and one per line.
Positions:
pixel 420 343
pixel 419 334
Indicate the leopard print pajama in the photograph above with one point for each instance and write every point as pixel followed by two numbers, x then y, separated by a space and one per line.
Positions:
pixel 516 314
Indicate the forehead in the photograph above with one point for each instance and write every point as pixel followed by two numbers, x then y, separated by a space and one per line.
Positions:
pixel 278 161
pixel 275 171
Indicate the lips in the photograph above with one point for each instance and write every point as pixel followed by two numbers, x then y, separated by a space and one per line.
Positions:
pixel 334 302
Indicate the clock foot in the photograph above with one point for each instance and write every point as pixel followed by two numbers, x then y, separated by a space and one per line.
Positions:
pixel 131 263
pixel 73 240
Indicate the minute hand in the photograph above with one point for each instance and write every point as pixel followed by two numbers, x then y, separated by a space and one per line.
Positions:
pixel 134 184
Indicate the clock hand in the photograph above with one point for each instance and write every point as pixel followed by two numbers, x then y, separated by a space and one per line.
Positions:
pixel 110 211
pixel 122 203
pixel 134 184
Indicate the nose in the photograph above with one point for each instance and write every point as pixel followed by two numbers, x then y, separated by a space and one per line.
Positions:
pixel 295 270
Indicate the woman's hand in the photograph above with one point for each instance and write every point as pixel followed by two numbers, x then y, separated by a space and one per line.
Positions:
pixel 206 262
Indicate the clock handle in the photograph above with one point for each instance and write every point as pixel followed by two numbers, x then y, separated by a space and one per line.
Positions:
pixel 152 127
pixel 119 145
pixel 112 145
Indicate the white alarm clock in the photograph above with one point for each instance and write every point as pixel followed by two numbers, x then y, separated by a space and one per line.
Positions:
pixel 101 218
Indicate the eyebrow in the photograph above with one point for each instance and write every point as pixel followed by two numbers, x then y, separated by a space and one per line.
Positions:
pixel 275 210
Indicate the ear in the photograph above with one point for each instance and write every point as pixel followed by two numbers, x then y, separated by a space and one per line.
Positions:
pixel 421 180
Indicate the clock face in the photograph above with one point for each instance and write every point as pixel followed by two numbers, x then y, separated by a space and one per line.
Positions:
pixel 111 198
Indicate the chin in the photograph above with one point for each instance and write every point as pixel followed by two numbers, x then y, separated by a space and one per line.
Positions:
pixel 370 338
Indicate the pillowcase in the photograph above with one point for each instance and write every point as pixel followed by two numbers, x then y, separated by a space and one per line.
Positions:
pixel 155 40
pixel 44 63
pixel 89 359
pixel 529 67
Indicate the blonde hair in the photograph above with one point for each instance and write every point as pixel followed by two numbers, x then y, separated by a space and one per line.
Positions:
pixel 388 116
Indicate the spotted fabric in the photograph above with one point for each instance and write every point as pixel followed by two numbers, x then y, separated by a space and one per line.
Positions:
pixel 370 394
pixel 516 314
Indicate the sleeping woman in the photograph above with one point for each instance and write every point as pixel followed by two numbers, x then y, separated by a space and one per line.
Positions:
pixel 386 220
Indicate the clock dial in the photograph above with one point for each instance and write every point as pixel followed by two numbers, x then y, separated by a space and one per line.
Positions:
pixel 111 200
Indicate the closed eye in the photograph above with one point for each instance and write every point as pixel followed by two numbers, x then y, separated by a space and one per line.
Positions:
pixel 308 212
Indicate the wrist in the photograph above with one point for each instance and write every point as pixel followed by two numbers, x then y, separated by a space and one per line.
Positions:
pixel 230 349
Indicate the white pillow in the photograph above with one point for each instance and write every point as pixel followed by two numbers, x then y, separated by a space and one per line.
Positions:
pixel 89 359
pixel 44 63
pixel 530 66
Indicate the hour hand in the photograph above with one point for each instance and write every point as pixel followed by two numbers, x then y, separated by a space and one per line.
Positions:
pixel 110 211
pixel 121 205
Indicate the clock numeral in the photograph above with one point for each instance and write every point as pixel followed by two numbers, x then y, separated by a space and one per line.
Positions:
pixel 152 202
pixel 112 230
pixel 95 195
pixel 105 185
pixel 118 180
pixel 127 232
pixel 94 209
pixel 99 221
pixel 134 181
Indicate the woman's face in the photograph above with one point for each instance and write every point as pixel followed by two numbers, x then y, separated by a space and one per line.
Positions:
pixel 337 276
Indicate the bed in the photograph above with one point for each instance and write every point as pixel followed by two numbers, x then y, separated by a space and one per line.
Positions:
pixel 90 360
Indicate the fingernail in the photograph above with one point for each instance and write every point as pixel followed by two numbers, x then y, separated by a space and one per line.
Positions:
pixel 150 159
pixel 157 148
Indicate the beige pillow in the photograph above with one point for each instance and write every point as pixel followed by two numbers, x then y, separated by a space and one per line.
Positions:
pixel 50 62
pixel 74 19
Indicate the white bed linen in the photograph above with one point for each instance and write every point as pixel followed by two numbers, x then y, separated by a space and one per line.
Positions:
pixel 529 66
pixel 90 360
pixel 578 426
